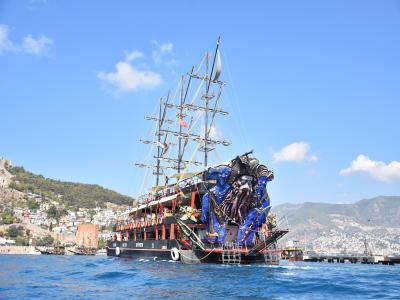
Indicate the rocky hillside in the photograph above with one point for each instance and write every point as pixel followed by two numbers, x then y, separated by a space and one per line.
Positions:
pixel 344 227
pixel 69 194
pixel 5 176
pixel 8 196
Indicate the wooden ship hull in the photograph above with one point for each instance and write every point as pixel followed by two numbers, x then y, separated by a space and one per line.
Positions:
pixel 166 236
pixel 163 251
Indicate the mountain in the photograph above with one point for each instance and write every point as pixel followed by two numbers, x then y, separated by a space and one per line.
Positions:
pixel 70 194
pixel 339 227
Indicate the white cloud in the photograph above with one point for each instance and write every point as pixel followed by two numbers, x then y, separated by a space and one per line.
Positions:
pixel 128 78
pixel 30 45
pixel 130 56
pixel 5 43
pixel 167 47
pixel 377 170
pixel 163 53
pixel 215 132
pixel 294 152
pixel 36 46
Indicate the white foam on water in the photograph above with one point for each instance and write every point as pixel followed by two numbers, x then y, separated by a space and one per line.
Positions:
pixel 296 267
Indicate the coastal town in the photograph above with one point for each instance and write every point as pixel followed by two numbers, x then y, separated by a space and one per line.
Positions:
pixel 30 220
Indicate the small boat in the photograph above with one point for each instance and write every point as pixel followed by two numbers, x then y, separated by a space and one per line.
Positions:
pixel 84 251
pixel 292 254
pixel 56 250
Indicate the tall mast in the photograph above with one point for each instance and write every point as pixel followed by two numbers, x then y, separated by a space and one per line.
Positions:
pixel 207 98
pixel 180 116
pixel 162 146
pixel 159 142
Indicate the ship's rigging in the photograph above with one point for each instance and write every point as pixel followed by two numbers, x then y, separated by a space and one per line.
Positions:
pixel 174 134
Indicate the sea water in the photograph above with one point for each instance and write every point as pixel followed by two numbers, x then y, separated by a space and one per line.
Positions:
pixel 101 277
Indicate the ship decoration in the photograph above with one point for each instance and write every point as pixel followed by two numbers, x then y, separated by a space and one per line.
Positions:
pixel 220 213
pixel 239 197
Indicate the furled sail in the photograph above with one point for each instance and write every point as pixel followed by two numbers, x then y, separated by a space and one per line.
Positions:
pixel 161 145
pixel 219 67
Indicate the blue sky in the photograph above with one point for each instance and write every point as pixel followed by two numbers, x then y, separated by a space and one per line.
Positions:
pixel 312 86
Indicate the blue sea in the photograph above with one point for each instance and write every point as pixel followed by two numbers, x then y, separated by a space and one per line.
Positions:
pixel 101 277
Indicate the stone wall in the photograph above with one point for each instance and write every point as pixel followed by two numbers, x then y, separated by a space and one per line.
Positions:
pixel 88 235
pixel 9 249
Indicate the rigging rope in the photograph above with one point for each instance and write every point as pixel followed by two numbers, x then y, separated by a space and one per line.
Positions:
pixel 189 258
pixel 187 165
pixel 242 126
pixel 148 154
pixel 201 63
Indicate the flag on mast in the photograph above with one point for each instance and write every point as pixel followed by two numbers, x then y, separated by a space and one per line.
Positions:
pixel 183 123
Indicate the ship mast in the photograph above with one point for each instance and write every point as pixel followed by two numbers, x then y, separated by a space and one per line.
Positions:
pixel 207 98
pixel 191 111
pixel 180 116
pixel 162 146
pixel 158 143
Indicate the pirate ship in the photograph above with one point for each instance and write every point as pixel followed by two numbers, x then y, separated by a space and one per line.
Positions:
pixel 217 214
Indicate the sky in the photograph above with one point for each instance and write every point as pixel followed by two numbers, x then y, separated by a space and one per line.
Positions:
pixel 313 87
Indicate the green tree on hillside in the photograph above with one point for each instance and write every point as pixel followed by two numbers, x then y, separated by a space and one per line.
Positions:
pixel 21 241
pixel 72 194
pixel 6 218
pixel 102 243
pixel 54 213
pixel 33 204
pixel 13 231
pixel 92 213
pixel 45 241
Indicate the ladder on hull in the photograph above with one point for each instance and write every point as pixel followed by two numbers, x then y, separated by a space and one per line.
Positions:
pixel 267 241
pixel 271 255
pixel 231 253
pixel 270 241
